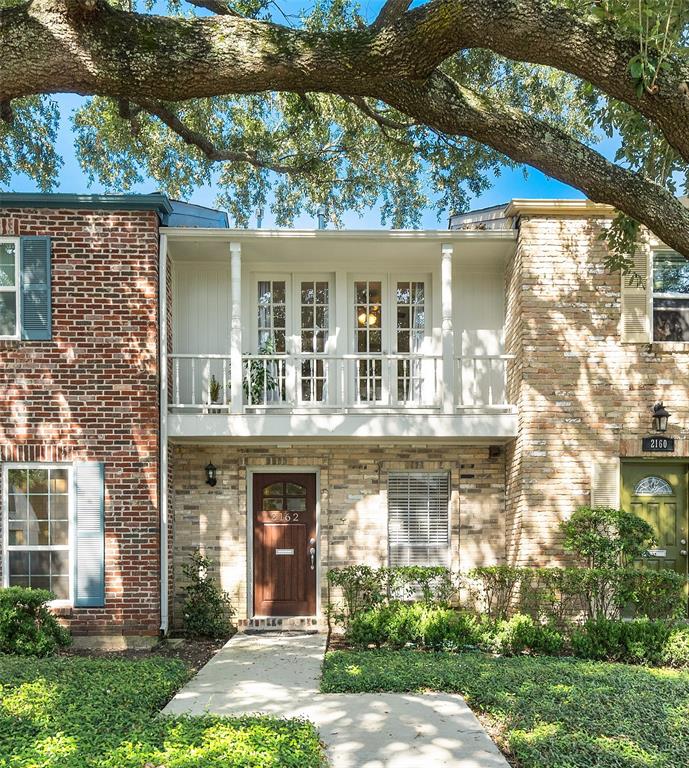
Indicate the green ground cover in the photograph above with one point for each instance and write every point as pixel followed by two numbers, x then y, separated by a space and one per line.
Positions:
pixel 72 712
pixel 546 712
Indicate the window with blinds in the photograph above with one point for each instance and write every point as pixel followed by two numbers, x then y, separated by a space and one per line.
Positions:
pixel 418 518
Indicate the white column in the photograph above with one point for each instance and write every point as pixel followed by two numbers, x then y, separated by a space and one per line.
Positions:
pixel 448 339
pixel 237 395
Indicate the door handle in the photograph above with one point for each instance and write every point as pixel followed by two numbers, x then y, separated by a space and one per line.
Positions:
pixel 683 552
pixel 312 553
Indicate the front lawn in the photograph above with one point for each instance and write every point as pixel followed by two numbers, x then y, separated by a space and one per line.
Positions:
pixel 547 712
pixel 71 712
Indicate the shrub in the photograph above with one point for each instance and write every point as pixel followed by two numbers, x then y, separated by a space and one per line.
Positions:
pixel 638 642
pixel 521 633
pixel 403 625
pixel 653 594
pixel 368 627
pixel 606 538
pixel 27 627
pixel 362 588
pixel 676 649
pixel 434 585
pixel 495 588
pixel 448 630
pixel 207 609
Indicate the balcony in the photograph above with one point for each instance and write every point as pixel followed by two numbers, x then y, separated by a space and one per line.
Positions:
pixel 320 299
pixel 311 382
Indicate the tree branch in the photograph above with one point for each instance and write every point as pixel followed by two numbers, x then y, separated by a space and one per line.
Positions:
pixel 215 6
pixel 444 105
pixel 50 46
pixel 218 155
pixel 391 11
pixel 383 120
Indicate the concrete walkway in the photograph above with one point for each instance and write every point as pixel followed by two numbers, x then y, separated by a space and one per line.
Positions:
pixel 279 675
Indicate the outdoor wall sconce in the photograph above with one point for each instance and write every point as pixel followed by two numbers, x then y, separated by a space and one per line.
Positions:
pixel 211 474
pixel 660 417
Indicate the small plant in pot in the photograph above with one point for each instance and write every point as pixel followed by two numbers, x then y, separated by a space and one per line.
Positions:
pixel 215 393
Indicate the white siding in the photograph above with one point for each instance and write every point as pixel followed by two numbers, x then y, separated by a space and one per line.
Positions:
pixel 201 307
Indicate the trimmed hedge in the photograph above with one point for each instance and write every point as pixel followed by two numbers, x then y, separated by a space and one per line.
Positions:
pixel 27 627
pixel 398 625
pixel 549 595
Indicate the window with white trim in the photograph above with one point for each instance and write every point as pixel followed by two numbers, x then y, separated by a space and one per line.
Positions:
pixel 9 288
pixel 36 509
pixel 314 330
pixel 670 297
pixel 418 518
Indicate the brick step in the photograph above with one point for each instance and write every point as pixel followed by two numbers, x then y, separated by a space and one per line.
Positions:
pixel 282 624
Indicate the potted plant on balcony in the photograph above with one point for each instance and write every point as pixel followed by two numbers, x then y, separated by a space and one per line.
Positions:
pixel 214 393
pixel 259 378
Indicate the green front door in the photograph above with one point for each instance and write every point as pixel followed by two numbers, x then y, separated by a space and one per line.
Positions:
pixel 658 494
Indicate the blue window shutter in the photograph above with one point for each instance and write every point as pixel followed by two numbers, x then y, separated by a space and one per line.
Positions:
pixel 89 539
pixel 35 288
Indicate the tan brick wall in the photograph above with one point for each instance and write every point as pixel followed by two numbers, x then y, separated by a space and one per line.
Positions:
pixel 582 394
pixel 353 518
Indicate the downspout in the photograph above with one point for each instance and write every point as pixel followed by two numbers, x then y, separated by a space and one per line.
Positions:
pixel 163 460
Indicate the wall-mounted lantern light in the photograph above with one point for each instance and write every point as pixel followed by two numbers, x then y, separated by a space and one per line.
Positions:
pixel 211 474
pixel 660 417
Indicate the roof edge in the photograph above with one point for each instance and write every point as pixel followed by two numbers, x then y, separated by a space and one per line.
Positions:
pixel 526 206
pixel 153 202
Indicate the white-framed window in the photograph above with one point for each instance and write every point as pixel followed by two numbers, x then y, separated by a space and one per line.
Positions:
pixel 37 508
pixel 10 295
pixel 272 315
pixel 390 318
pixel 314 335
pixel 419 518
pixel 670 297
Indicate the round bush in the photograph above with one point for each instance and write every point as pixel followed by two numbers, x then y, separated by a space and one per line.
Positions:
pixel 27 627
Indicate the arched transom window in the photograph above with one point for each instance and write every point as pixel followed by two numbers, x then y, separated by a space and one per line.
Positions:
pixel 653 486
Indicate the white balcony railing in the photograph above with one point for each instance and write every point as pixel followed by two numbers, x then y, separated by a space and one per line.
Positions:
pixel 201 382
pixel 357 381
pixel 345 381
pixel 481 381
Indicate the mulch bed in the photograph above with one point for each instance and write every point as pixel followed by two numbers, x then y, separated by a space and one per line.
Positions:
pixel 194 653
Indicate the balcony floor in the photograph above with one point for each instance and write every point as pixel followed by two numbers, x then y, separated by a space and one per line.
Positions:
pixel 401 425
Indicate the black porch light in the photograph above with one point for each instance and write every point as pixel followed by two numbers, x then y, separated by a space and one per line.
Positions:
pixel 211 474
pixel 660 417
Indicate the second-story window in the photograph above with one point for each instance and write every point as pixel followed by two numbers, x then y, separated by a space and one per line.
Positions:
pixel 272 316
pixel 9 289
pixel 368 321
pixel 670 297
pixel 411 330
pixel 313 333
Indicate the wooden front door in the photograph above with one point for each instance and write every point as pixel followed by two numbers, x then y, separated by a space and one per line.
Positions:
pixel 658 494
pixel 285 547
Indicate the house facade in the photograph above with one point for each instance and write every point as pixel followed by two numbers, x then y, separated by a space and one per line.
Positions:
pixel 292 401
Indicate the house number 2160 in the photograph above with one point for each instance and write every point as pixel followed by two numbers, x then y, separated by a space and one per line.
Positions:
pixel 284 517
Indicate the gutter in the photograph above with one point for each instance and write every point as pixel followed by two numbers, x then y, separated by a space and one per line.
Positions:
pixel 163 433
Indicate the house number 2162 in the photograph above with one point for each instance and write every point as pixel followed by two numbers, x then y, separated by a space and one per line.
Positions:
pixel 284 517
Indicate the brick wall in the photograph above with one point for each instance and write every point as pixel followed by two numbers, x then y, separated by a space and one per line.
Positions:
pixel 353 491
pixel 582 394
pixel 91 393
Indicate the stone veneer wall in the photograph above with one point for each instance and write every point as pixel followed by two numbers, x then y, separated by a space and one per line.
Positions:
pixel 91 392
pixel 353 521
pixel 582 394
